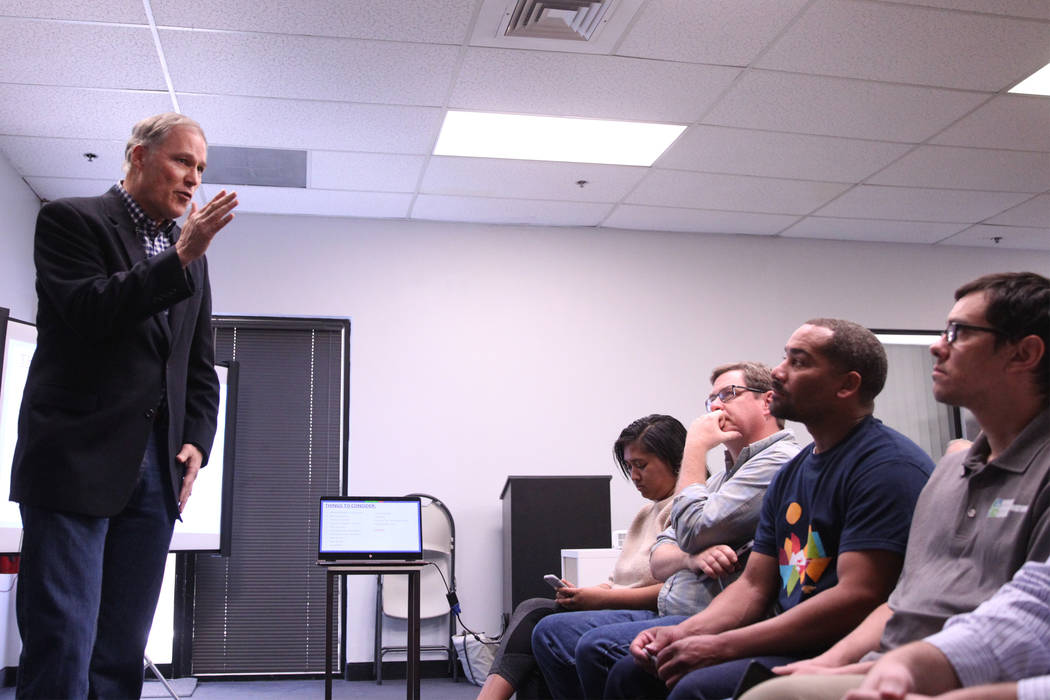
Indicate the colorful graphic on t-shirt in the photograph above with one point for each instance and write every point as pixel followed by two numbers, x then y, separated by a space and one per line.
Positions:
pixel 800 564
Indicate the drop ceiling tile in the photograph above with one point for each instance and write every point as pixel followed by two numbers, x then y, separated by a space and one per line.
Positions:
pixel 1033 9
pixel 313 202
pixel 1008 237
pixel 86 10
pixel 265 123
pixel 579 85
pixel 87 58
pixel 631 216
pixel 969 168
pixel 1020 122
pixel 279 65
pixel 808 104
pixel 434 21
pixel 525 179
pixel 379 172
pixel 56 157
pixel 733 31
pixel 51 188
pixel 916 204
pixel 898 43
pixel 508 211
pixel 776 154
pixel 30 110
pixel 1033 213
pixel 675 188
pixel 872 230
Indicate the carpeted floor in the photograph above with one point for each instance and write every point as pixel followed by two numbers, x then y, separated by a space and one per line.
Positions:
pixel 429 689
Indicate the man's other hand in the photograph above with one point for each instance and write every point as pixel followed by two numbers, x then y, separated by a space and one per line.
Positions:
pixel 191 458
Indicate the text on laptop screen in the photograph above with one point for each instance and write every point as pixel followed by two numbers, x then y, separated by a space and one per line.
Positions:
pixel 370 526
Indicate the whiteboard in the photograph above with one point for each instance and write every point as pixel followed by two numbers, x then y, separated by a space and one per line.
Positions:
pixel 205 520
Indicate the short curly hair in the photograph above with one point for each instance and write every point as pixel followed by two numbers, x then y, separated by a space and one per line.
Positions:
pixel 854 348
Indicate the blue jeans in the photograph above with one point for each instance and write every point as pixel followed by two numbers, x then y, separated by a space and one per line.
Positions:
pixel 558 640
pixel 628 680
pixel 88 589
pixel 602 647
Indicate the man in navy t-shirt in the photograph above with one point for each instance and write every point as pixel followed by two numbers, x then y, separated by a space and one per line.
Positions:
pixel 856 496
pixel 830 540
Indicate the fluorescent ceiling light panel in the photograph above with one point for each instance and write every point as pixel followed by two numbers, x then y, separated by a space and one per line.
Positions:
pixel 524 137
pixel 1037 83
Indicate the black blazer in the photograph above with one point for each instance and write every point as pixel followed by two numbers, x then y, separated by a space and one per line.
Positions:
pixel 105 352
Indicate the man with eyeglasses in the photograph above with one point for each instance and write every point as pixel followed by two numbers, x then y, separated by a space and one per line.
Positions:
pixel 984 512
pixel 830 539
pixel 712 519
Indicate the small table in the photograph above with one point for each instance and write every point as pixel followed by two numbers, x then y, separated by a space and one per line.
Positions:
pixel 412 660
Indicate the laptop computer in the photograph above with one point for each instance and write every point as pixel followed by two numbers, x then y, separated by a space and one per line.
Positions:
pixel 370 530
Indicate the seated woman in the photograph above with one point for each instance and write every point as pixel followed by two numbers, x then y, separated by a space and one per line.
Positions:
pixel 649 452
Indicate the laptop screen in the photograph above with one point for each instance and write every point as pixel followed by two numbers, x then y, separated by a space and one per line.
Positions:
pixel 370 528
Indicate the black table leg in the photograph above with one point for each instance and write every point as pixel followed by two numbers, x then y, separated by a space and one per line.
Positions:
pixel 329 578
pixel 413 636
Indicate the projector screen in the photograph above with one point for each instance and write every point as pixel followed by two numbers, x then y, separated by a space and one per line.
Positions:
pixel 205 524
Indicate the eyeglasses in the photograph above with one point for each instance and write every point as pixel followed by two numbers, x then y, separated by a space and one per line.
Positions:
pixel 727 394
pixel 951 331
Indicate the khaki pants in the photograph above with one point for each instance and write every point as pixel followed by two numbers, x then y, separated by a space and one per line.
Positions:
pixel 804 687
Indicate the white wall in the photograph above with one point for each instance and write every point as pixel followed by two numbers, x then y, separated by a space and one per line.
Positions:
pixel 20 206
pixel 481 351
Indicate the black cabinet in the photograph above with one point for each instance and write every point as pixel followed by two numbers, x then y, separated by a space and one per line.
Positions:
pixel 543 515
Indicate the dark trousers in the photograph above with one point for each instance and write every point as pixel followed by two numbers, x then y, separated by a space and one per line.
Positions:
pixel 514 660
pixel 629 680
pixel 88 589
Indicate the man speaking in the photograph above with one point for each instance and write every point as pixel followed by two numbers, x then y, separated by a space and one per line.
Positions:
pixel 118 413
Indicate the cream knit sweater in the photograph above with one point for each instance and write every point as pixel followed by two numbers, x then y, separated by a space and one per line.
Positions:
pixel 632 567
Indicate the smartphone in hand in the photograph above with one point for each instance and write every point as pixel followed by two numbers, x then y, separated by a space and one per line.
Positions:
pixel 554 581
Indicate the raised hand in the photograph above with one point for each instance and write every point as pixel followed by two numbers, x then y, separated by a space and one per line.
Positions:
pixel 202 225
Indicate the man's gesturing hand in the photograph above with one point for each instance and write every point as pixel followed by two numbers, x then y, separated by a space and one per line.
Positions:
pixel 202 225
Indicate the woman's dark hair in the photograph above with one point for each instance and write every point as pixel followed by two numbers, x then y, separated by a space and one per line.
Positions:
pixel 659 435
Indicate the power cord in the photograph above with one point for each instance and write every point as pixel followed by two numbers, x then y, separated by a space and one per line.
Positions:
pixel 453 605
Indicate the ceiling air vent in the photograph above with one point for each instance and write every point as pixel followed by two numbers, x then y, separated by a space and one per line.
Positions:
pixel 265 167
pixel 558 19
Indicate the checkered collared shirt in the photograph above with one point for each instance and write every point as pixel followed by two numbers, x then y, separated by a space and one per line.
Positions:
pixel 155 238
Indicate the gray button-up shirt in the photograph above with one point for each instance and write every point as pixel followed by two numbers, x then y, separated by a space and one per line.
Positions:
pixel 725 510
